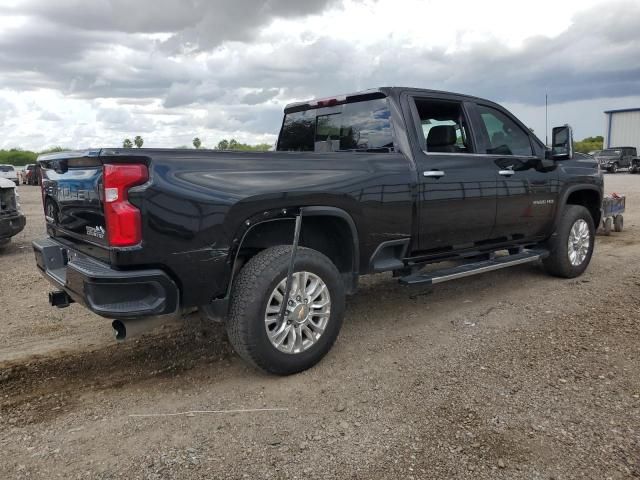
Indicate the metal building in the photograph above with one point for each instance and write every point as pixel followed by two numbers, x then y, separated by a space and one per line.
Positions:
pixel 622 128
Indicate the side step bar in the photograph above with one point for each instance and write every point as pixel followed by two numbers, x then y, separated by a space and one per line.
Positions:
pixel 468 269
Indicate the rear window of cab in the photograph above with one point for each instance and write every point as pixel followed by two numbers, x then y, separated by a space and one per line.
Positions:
pixel 363 125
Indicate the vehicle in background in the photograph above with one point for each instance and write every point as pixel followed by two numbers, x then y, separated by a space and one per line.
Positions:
pixel 613 159
pixel 32 174
pixel 9 172
pixel 386 180
pixel 12 221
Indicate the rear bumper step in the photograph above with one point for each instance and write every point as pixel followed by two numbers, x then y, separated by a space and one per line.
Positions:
pixel 475 268
pixel 108 292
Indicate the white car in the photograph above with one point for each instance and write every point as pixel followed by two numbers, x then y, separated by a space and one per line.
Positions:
pixel 9 172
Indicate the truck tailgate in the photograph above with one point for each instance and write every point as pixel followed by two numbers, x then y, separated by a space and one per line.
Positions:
pixel 72 196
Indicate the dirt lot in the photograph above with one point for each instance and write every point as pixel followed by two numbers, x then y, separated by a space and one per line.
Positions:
pixel 510 375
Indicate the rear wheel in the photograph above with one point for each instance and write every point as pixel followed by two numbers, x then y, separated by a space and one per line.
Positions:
pixel 571 246
pixel 312 316
pixel 607 225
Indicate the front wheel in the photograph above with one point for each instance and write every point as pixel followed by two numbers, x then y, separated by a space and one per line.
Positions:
pixel 614 168
pixel 312 316
pixel 571 247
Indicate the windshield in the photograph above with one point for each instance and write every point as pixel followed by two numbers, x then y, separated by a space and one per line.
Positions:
pixel 609 153
pixel 361 125
pixel 6 168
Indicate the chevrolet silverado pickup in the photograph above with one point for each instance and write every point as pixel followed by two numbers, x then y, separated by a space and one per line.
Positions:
pixel 385 180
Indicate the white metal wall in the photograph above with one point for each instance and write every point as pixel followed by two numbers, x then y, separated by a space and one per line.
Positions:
pixel 625 129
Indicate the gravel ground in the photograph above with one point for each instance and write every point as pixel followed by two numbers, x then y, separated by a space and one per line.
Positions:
pixel 510 375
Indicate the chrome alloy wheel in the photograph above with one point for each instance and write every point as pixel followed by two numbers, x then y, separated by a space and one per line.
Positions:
pixel 579 242
pixel 306 315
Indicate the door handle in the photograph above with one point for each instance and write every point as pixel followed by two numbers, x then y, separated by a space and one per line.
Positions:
pixel 433 173
pixel 506 173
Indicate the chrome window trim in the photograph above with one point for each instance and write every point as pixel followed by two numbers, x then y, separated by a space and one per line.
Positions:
pixel 492 155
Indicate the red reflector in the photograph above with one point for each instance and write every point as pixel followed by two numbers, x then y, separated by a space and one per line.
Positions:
pixel 124 226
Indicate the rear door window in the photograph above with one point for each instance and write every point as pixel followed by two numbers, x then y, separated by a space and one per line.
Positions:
pixel 504 136
pixel 443 126
pixel 364 125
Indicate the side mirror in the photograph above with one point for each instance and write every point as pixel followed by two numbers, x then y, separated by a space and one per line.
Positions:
pixel 562 142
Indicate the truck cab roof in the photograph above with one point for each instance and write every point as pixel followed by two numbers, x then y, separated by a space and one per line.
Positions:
pixel 372 93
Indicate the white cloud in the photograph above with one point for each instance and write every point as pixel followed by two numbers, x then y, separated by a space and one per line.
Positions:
pixel 91 73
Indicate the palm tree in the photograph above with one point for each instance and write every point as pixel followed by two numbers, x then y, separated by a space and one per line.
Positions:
pixel 138 141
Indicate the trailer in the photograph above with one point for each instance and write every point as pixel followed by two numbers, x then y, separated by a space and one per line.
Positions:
pixel 613 207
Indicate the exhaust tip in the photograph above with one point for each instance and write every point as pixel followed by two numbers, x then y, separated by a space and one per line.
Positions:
pixel 119 329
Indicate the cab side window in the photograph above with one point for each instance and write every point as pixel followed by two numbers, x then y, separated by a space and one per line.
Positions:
pixel 504 136
pixel 443 126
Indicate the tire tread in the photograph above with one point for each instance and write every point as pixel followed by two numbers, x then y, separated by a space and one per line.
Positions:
pixel 557 263
pixel 245 296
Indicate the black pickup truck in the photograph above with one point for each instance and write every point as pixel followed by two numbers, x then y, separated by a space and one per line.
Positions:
pixel 390 179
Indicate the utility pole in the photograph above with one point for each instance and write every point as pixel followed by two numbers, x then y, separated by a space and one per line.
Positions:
pixel 546 119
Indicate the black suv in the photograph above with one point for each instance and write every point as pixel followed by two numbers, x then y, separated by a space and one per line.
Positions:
pixel 612 159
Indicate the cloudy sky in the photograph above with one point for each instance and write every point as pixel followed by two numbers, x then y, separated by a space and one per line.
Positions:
pixel 83 73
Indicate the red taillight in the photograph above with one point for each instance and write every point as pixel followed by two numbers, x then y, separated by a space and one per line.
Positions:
pixel 124 227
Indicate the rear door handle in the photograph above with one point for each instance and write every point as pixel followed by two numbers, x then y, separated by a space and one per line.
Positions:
pixel 506 173
pixel 433 173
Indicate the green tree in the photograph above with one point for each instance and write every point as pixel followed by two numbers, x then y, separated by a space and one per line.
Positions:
pixel 127 143
pixel 138 141
pixel 196 142
pixel 17 156
pixel 589 144
pixel 233 144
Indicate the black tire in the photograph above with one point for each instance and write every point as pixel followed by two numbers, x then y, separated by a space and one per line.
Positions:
pixel 251 292
pixel 618 223
pixel 614 168
pixel 51 210
pixel 558 262
pixel 607 226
